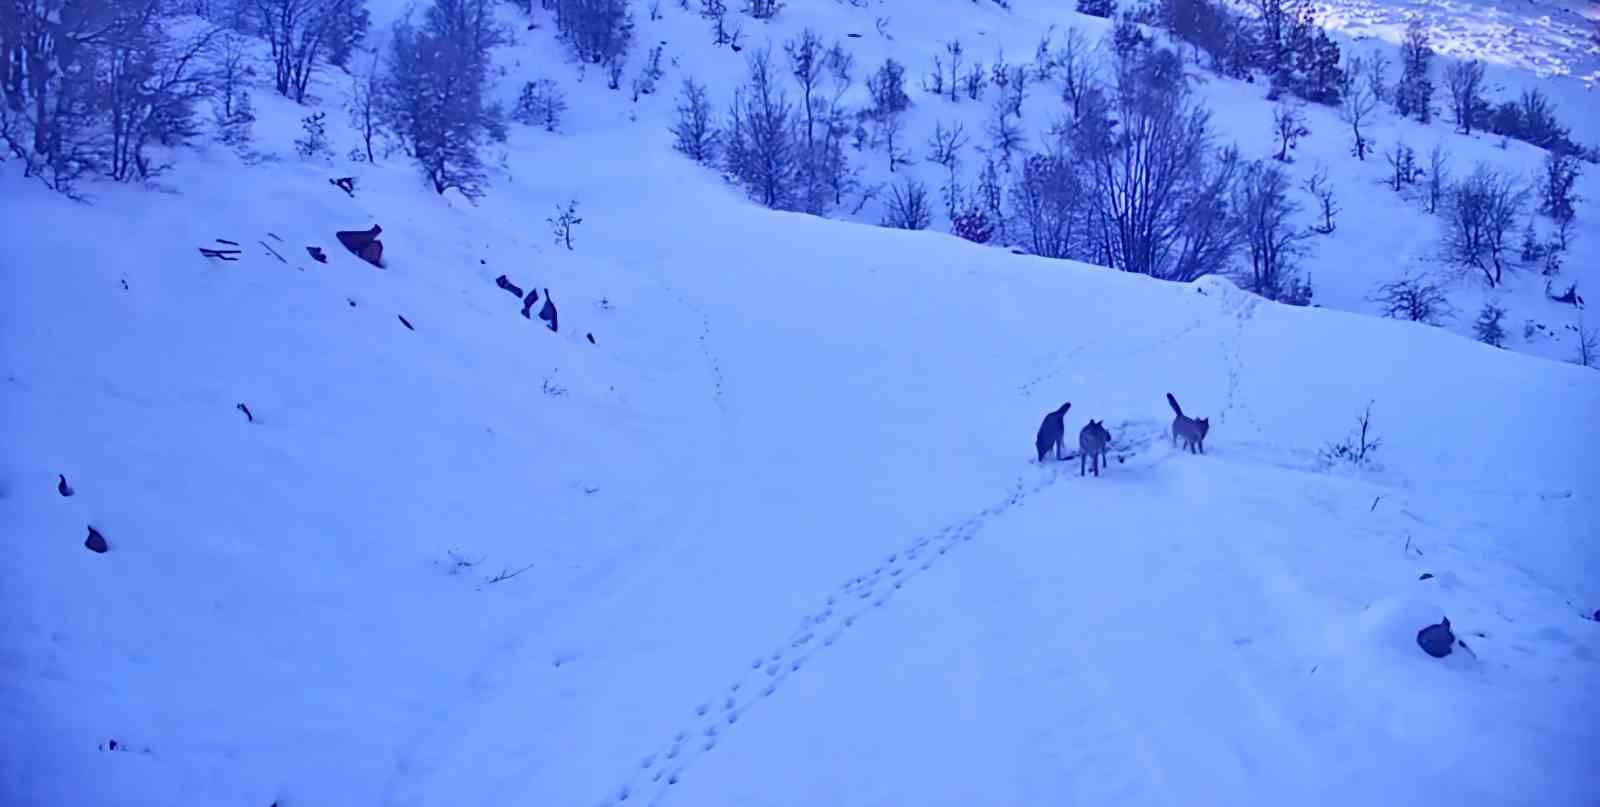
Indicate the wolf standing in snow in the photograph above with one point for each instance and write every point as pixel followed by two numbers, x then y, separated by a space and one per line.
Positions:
pixel 1191 430
pixel 1092 442
pixel 1050 432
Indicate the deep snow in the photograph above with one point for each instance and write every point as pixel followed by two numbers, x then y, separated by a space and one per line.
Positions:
pixel 787 543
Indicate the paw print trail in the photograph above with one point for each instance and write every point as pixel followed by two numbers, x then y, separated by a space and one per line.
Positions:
pixel 651 781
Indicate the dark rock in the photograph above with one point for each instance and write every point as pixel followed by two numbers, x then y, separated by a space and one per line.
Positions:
pixel 1597 616
pixel 363 243
pixel 548 312
pixel 317 254
pixel 62 487
pixel 246 410
pixel 95 542
pixel 351 302
pixel 1436 640
pixel 346 184
pixel 506 284
pixel 590 337
pixel 527 303
pixel 1426 576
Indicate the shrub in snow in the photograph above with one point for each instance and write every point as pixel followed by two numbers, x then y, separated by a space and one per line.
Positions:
pixel 1358 448
pixel 695 133
pixel 1415 299
pixel 599 31
pixel 561 225
pixel 1481 211
pixel 907 208
pixel 541 103
pixel 313 141
pixel 1488 328
pixel 1097 8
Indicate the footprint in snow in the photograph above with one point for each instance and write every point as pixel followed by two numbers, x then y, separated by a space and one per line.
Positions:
pixel 772 669
pixel 701 709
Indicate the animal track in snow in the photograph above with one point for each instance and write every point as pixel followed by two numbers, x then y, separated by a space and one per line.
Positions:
pixel 868 591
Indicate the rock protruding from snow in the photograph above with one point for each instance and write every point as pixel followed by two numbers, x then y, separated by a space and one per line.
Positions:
pixel 505 283
pixel 1436 640
pixel 364 243
pixel 62 487
pixel 96 542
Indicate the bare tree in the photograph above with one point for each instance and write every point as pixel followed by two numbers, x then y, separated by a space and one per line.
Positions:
pixel 944 149
pixel 695 134
pixel 907 207
pixel 889 134
pixel 299 34
pixel 1376 76
pixel 599 31
pixel 1146 150
pixel 1403 169
pixel 1049 204
pixel 1414 94
pixel 1005 136
pixel 1464 80
pixel 1321 190
pixel 954 50
pixel 150 84
pixel 1418 299
pixel 1438 177
pixel 1076 59
pixel 366 105
pixel 1357 103
pixel 437 88
pixel 231 107
pixel 762 152
pixel 1482 211
pixel 1289 125
pixel 1588 353
pixel 1274 244
pixel 1560 175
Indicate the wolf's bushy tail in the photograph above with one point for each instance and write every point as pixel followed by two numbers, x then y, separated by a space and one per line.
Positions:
pixel 1173 402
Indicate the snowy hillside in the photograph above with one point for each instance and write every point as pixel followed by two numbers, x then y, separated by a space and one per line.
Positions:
pixel 775 534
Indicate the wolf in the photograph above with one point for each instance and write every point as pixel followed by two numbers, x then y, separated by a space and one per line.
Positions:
pixel 1050 432
pixel 1191 430
pixel 1092 442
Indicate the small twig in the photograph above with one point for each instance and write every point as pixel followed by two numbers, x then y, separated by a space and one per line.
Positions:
pixel 221 254
pixel 1374 504
pixel 246 410
pixel 506 574
pixel 273 251
pixel 226 241
pixel 274 236
pixel 405 322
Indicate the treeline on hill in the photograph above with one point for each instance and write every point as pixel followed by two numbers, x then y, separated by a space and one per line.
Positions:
pixel 1127 174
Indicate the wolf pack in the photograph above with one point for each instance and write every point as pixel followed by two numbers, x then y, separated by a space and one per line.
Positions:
pixel 1094 439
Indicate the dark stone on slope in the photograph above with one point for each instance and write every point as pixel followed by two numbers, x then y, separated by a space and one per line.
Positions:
pixel 590 337
pixel 1597 616
pixel 95 542
pixel 364 244
pixel 1426 576
pixel 504 283
pixel 548 313
pixel 1436 640
pixel 62 487
pixel 317 254
pixel 527 303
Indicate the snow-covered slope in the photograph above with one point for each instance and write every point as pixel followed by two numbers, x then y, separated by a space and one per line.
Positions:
pixel 776 534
